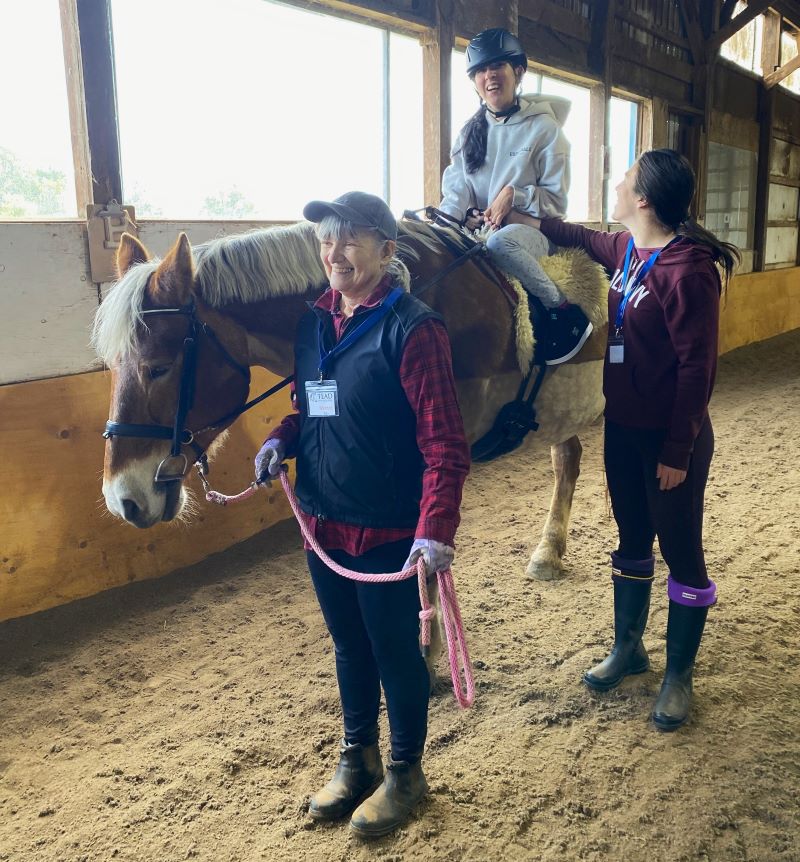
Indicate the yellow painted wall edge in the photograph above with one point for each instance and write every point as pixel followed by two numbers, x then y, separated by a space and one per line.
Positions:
pixel 58 543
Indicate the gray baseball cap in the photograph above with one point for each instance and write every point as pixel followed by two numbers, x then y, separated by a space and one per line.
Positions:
pixel 359 208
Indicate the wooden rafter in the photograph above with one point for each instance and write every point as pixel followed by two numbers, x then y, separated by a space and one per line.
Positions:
pixel 753 10
pixel 783 72
pixel 691 22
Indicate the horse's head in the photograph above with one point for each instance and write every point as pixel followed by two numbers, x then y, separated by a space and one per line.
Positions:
pixel 178 367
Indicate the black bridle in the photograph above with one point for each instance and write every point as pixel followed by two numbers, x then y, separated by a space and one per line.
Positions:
pixel 173 467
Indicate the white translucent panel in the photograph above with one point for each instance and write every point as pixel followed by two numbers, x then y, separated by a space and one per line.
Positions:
pixel 781 246
pixel 730 193
pixel 406 141
pixel 785 159
pixel 622 120
pixel 244 109
pixel 37 177
pixel 465 102
pixel 744 47
pixel 782 203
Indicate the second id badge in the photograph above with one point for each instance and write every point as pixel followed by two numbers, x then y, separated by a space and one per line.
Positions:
pixel 616 348
pixel 322 398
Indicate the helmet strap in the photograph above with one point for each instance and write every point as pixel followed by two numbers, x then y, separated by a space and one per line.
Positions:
pixel 500 115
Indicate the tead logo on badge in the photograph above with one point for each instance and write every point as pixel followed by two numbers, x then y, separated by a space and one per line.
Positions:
pixel 322 398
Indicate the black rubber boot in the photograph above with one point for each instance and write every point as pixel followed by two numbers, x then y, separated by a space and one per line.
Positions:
pixel 358 773
pixel 631 606
pixel 390 805
pixel 685 626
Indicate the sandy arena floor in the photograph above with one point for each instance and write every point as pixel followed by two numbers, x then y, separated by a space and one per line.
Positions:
pixel 192 717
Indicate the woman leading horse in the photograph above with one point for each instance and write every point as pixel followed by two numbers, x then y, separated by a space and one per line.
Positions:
pixel 381 462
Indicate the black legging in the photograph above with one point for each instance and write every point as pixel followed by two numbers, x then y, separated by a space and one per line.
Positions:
pixel 643 512
pixel 375 631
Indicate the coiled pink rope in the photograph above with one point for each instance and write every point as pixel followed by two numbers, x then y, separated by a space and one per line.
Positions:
pixel 457 652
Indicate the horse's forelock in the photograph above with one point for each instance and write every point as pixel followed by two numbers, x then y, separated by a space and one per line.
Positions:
pixel 115 322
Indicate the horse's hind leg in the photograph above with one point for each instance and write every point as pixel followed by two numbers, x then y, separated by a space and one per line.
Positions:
pixel 545 563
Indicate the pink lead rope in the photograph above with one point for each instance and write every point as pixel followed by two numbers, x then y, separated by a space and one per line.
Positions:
pixel 457 651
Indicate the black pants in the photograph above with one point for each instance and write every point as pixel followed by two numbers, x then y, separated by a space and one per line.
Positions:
pixel 375 631
pixel 643 512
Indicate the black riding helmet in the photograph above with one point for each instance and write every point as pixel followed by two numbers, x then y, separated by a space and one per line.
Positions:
pixel 494 46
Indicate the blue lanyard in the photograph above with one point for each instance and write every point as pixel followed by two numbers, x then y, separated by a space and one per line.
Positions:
pixel 628 289
pixel 374 317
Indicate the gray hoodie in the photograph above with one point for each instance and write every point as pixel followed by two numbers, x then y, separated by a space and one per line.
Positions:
pixel 529 152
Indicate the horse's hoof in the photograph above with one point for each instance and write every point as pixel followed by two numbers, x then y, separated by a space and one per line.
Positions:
pixel 545 570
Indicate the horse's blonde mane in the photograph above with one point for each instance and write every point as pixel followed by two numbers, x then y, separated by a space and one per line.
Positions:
pixel 247 267
pixel 244 268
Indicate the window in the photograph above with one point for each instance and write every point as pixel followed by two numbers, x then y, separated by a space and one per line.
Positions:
pixel 744 47
pixel 623 118
pixel 249 109
pixel 789 52
pixel 37 177
pixel 465 102
pixel 730 194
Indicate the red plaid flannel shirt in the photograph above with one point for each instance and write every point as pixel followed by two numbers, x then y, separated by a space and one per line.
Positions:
pixel 426 375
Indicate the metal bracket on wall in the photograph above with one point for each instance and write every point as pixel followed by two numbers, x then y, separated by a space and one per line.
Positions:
pixel 105 226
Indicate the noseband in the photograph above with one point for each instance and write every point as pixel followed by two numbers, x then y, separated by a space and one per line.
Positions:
pixel 173 467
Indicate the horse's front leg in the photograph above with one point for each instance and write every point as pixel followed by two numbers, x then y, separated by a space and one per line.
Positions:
pixel 545 563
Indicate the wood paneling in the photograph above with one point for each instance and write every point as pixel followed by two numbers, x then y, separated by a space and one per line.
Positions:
pixel 57 541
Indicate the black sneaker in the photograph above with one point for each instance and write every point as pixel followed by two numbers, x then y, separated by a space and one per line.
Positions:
pixel 567 330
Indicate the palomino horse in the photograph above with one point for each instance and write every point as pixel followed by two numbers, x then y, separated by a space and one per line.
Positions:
pixel 242 297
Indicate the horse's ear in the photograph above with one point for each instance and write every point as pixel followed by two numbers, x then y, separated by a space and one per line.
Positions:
pixel 172 281
pixel 130 252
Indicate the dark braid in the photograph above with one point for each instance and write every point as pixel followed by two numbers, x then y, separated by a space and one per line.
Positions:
pixel 475 134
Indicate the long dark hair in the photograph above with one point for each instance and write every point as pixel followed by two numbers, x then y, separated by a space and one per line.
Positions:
pixel 476 132
pixel 666 180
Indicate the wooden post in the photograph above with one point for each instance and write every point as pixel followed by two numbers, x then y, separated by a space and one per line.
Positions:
pixel 79 133
pixel 766 111
pixel 437 47
pixel 598 167
pixel 97 55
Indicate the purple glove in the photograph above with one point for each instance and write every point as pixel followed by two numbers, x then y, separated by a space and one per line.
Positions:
pixel 436 555
pixel 269 459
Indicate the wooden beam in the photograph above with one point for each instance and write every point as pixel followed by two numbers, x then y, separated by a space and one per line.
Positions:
pixel 437 47
pixel 602 13
pixel 691 22
pixel 770 43
pixel 598 120
pixel 79 132
pixel 766 113
pixel 97 55
pixel 639 21
pixel 783 72
pixel 753 10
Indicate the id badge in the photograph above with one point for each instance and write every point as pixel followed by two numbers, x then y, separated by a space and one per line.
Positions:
pixel 322 398
pixel 616 349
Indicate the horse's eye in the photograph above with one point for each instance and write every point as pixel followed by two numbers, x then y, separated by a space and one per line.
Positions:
pixel 157 372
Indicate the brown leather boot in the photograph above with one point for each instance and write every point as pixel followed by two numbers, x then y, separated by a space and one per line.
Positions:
pixel 358 773
pixel 390 805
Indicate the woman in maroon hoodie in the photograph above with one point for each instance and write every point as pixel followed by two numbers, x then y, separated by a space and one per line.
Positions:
pixel 663 311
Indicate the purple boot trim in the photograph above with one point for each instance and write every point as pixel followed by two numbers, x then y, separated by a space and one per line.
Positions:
pixel 639 570
pixel 691 596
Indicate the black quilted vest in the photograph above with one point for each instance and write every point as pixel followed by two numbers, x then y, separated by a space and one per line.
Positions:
pixel 362 466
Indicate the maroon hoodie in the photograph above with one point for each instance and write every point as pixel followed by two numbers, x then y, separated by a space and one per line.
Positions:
pixel 670 331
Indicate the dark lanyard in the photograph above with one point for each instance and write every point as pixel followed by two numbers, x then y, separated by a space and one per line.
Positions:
pixel 374 317
pixel 628 289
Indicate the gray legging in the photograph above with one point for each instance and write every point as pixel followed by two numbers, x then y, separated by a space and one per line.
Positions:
pixel 515 248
